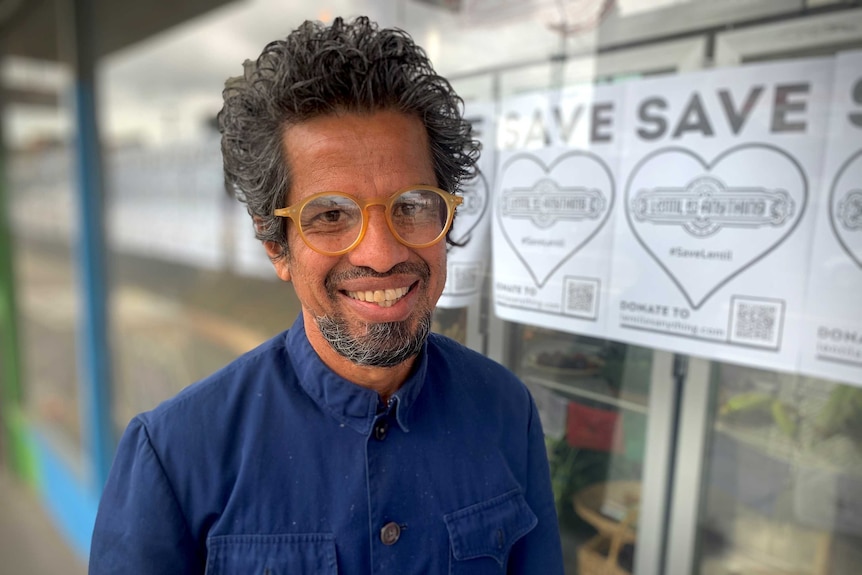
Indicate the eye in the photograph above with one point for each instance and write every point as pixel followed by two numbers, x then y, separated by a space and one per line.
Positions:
pixel 406 209
pixel 329 214
pixel 325 219
pixel 415 204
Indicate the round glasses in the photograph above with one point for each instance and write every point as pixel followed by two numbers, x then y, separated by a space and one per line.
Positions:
pixel 333 223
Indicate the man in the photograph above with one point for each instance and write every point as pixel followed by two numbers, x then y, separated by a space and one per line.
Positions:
pixel 355 442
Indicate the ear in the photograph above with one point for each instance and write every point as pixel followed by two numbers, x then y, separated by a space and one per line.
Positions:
pixel 279 258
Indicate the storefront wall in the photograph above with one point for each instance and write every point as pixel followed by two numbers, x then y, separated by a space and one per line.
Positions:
pixel 625 265
pixel 665 243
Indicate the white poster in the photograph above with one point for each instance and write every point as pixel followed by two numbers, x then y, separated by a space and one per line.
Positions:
pixel 466 264
pixel 832 339
pixel 713 235
pixel 555 192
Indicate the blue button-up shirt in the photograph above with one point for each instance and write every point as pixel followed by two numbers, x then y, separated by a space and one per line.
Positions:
pixel 276 465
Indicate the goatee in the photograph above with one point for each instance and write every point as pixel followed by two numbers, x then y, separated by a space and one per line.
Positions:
pixel 382 345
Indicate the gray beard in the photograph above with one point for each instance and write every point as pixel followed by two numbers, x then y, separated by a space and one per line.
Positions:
pixel 383 344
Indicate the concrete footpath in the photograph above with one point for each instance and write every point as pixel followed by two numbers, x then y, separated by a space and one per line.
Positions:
pixel 29 542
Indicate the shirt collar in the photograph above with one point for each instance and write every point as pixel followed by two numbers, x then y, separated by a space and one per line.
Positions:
pixel 350 404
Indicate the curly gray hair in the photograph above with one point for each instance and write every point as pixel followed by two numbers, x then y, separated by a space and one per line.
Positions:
pixel 318 70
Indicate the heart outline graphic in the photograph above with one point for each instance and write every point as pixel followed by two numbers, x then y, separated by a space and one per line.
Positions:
pixel 832 215
pixel 484 199
pixel 708 166
pixel 547 169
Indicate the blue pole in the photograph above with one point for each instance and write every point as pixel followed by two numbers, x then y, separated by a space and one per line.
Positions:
pixel 93 350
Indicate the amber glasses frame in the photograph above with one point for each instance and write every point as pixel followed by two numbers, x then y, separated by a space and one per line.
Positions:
pixel 452 202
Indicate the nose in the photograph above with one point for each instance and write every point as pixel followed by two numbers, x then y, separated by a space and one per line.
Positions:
pixel 379 249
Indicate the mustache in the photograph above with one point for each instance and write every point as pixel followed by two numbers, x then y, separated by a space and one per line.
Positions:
pixel 333 278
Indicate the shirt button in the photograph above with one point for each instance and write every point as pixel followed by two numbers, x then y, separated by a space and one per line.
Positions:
pixel 380 430
pixel 390 533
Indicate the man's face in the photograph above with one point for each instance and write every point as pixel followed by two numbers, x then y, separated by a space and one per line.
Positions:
pixel 367 156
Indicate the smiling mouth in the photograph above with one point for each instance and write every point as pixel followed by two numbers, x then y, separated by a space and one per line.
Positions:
pixel 383 298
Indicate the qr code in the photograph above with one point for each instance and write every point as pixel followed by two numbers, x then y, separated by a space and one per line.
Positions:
pixel 463 278
pixel 581 297
pixel 756 322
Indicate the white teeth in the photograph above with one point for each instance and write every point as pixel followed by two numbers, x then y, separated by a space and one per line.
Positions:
pixel 383 298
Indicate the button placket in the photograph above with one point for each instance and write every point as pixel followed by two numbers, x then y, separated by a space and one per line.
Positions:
pixel 381 472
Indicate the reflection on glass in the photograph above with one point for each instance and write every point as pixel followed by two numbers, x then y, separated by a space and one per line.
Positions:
pixel 40 189
pixel 451 323
pixel 783 484
pixel 592 397
pixel 48 316
pixel 175 323
pixel 191 288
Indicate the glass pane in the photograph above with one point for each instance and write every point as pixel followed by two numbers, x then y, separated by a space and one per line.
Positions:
pixel 42 178
pixel 192 288
pixel 592 396
pixel 783 484
pixel 185 302
pixel 451 323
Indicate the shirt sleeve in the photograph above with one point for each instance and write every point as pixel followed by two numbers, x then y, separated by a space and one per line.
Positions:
pixel 140 528
pixel 539 551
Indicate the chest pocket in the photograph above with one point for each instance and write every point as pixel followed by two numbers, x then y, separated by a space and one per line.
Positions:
pixel 481 536
pixel 286 554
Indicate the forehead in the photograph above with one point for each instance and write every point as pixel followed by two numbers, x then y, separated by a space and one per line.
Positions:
pixel 362 154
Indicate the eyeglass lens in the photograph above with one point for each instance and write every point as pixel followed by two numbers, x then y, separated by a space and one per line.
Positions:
pixel 332 223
